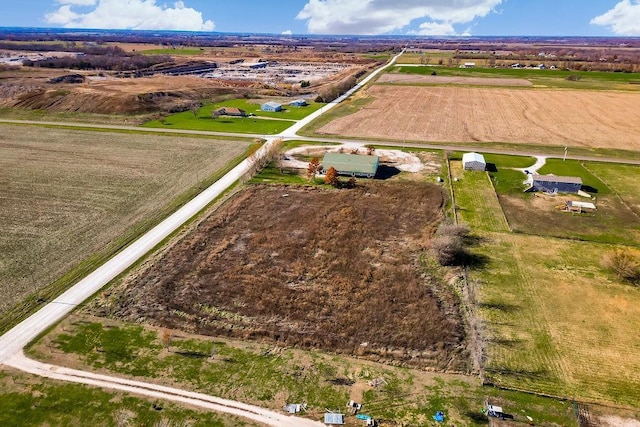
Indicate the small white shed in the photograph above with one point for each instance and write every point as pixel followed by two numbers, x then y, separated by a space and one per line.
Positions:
pixel 473 162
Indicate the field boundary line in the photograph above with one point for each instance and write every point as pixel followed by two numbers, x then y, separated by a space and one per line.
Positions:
pixel 453 196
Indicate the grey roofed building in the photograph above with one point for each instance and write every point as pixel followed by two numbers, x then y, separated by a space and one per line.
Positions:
pixel 553 183
pixel 332 419
pixel 271 106
pixel 351 164
pixel 298 103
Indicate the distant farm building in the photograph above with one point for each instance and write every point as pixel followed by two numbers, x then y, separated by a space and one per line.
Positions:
pixel 298 103
pixel 554 184
pixel 271 107
pixel 230 111
pixel 473 162
pixel 332 419
pixel 468 65
pixel 351 164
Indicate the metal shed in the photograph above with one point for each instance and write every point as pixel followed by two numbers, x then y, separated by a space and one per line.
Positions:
pixel 298 103
pixel 473 162
pixel 332 419
pixel 271 106
pixel 351 164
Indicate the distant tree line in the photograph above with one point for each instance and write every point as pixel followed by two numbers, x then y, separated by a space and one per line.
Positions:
pixel 120 62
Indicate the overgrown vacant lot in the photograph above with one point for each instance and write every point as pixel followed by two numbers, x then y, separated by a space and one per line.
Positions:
pixel 67 194
pixel 307 267
pixel 461 114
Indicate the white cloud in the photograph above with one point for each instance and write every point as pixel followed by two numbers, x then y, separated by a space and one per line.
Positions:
pixel 623 19
pixel 129 14
pixel 383 16
pixel 287 33
pixel 436 29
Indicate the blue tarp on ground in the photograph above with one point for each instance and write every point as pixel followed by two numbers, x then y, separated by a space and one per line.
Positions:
pixel 439 417
pixel 363 417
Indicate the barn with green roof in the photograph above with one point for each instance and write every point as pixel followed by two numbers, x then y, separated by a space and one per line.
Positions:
pixel 351 164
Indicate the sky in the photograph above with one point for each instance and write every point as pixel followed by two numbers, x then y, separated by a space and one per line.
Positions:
pixel 402 17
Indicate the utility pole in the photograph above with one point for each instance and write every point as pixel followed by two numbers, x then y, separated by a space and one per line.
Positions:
pixel 565 154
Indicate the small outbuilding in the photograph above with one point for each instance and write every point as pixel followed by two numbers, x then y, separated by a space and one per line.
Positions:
pixel 579 207
pixel 351 164
pixel 473 162
pixel 298 103
pixel 554 184
pixel 271 107
pixel 231 111
pixel 332 419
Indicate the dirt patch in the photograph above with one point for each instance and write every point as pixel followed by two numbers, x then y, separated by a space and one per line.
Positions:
pixel 613 421
pixel 444 80
pixel 306 267
pixel 459 114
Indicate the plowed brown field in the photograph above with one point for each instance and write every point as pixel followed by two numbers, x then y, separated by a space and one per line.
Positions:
pixel 451 114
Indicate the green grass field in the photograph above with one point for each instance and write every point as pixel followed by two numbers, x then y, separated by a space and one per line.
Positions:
pixel 621 179
pixel 590 80
pixel 263 122
pixel 476 201
pixel 557 322
pixel 272 376
pixel 27 401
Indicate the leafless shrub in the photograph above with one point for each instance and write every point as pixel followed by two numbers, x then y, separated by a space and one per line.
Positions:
pixel 624 264
pixel 448 247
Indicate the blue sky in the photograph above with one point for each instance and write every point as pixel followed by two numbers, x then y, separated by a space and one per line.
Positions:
pixel 428 17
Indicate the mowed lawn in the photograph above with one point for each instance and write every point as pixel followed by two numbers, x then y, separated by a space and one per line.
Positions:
pixel 621 179
pixel 66 194
pixel 557 322
pixel 261 122
pixel 476 201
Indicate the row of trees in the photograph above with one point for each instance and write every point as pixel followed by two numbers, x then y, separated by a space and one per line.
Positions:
pixel 101 62
pixel 332 92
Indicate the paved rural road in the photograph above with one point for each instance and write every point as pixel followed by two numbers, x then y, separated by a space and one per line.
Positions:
pixel 13 342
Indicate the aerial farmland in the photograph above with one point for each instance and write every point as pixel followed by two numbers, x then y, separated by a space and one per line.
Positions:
pixel 297 292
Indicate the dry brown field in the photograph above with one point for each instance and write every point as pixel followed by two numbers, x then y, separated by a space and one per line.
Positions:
pixel 311 268
pixel 594 119
pixel 66 194
pixel 444 80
